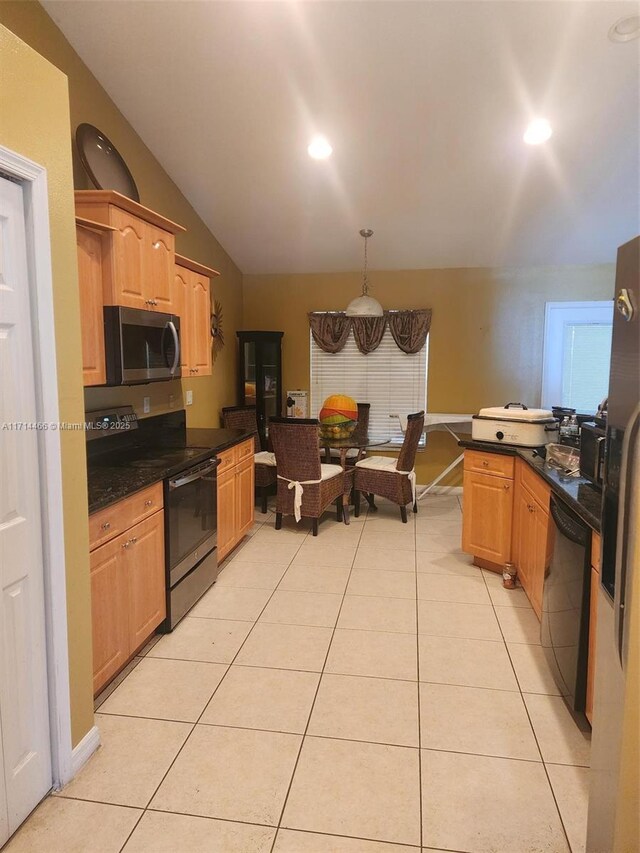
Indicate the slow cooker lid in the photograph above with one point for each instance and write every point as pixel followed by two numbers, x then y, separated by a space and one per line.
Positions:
pixel 517 412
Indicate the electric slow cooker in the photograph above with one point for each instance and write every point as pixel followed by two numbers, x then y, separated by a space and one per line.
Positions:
pixel 515 424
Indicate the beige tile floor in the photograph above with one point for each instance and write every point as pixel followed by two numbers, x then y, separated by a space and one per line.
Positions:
pixel 368 691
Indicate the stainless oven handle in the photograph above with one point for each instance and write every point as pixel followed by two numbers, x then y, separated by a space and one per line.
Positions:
pixel 176 341
pixel 190 478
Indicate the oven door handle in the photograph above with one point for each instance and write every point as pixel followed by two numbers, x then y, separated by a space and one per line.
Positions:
pixel 176 342
pixel 190 478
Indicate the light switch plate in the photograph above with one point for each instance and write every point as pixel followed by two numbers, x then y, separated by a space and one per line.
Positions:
pixel 146 405
pixel 188 398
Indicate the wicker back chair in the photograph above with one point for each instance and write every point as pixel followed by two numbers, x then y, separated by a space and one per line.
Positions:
pixel 244 417
pixel 390 478
pixel 295 442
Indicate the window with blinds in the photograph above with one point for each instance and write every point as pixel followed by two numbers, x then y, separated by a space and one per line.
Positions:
pixel 393 382
pixel 577 354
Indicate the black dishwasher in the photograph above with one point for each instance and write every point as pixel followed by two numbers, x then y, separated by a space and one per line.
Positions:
pixel 565 604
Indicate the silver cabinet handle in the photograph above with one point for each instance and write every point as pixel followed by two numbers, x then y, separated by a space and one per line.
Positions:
pixel 105 525
pixel 176 341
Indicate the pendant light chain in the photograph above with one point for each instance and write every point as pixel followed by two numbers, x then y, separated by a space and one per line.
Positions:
pixel 366 233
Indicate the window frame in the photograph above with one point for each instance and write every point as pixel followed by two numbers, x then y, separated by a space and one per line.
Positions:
pixel 393 445
pixel 555 318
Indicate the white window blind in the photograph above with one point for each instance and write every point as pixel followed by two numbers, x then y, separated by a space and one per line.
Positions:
pixel 393 382
pixel 577 354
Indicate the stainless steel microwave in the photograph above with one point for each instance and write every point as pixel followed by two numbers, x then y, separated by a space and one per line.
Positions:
pixel 141 346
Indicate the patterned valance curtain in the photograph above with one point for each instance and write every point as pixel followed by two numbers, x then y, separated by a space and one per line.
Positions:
pixel 331 329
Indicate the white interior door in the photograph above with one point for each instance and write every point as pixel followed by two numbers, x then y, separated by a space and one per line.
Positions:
pixel 24 711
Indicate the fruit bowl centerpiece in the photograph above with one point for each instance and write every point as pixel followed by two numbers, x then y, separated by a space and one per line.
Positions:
pixel 338 417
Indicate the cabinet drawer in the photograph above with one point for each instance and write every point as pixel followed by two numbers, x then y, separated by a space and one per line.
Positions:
pixel 228 458
pixel 244 450
pixel 115 519
pixel 488 463
pixel 595 551
pixel 535 485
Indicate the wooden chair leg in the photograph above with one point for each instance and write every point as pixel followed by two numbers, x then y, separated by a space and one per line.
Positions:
pixel 314 526
pixel 278 520
pixel 356 503
pixel 415 506
pixel 370 500
pixel 339 508
pixel 403 514
pixel 264 495
pixel 345 513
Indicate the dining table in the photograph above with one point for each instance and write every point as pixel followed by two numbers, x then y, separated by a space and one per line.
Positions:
pixel 358 441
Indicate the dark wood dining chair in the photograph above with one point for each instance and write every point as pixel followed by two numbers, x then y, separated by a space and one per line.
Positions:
pixel 389 477
pixel 244 417
pixel 306 487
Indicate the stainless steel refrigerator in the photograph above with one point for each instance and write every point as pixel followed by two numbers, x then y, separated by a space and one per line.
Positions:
pixel 612 753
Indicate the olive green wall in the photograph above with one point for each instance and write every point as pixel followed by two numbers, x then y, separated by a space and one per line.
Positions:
pixel 485 345
pixel 90 103
pixel 40 108
pixel 34 121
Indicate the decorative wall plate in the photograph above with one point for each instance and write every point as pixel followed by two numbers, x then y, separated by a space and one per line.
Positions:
pixel 216 326
pixel 103 162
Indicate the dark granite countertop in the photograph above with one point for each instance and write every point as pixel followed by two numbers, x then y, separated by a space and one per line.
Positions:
pixel 577 492
pixel 119 473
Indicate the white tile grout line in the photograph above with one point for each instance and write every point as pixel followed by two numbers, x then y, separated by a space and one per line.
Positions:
pixel 546 772
pixel 305 734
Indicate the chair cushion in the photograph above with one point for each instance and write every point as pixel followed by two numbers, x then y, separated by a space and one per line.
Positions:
pixel 265 458
pixel 329 471
pixel 379 463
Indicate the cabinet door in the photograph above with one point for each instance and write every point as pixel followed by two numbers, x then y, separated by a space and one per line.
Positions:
pixel 200 326
pixel 226 512
pixel 109 611
pixel 182 302
pixel 539 555
pixel 522 546
pixel 159 263
pixel 126 268
pixel 89 245
pixel 144 558
pixel 245 489
pixel 487 517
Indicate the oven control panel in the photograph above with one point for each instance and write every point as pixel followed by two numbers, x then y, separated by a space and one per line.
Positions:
pixel 104 422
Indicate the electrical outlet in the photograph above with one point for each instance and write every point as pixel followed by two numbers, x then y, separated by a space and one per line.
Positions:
pixel 146 405
pixel 188 398
pixel 172 401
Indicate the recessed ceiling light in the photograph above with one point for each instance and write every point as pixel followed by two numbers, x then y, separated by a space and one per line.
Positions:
pixel 625 29
pixel 538 131
pixel 320 148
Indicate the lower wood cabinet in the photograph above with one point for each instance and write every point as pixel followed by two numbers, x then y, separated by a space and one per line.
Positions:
pixel 128 598
pixel 487 517
pixel 236 487
pixel 532 542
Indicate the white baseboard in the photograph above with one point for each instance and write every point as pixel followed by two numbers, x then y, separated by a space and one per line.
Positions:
pixel 85 749
pixel 440 490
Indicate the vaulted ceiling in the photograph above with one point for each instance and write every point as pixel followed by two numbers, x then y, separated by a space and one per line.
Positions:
pixel 425 104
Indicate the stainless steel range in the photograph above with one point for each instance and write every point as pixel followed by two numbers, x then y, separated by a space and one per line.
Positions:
pixel 155 449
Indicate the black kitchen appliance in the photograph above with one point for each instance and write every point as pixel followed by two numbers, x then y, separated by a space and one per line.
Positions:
pixel 592 444
pixel 141 346
pixel 565 605
pixel 140 452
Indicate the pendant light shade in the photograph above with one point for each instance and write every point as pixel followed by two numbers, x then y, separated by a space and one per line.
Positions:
pixel 365 305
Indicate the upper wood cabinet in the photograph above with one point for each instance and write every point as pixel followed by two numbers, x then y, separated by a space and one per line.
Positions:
pixel 191 297
pixel 92 242
pixel 139 266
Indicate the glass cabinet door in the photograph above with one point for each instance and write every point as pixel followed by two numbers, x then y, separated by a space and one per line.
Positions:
pixel 249 360
pixel 270 380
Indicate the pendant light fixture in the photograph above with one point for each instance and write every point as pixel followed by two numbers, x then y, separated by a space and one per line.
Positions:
pixel 365 305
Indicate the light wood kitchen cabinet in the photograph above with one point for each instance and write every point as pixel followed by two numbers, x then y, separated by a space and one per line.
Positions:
pixel 92 244
pixel 236 484
pixel 593 622
pixel 139 266
pixel 487 514
pixel 128 592
pixel 531 550
pixel 192 303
